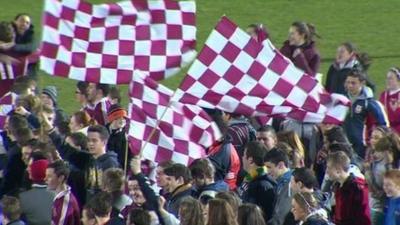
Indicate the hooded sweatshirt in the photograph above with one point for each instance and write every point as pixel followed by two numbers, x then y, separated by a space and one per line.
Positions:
pixel 362 106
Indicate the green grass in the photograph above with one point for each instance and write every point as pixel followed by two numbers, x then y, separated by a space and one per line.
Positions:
pixel 370 24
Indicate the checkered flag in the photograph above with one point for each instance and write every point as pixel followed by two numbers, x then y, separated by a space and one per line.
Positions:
pixel 235 73
pixel 182 132
pixel 105 43
pixel 7 103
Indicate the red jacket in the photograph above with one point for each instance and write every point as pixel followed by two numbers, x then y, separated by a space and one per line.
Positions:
pixel 392 107
pixel 226 161
pixel 352 203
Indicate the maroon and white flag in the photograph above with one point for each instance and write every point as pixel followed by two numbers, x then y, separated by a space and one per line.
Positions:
pixel 235 73
pixel 182 132
pixel 104 43
pixel 12 70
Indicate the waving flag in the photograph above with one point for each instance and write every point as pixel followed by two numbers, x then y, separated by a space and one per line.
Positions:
pixel 105 43
pixel 235 73
pixel 182 132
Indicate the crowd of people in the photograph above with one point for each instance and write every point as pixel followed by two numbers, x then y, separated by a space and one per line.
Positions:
pixel 78 169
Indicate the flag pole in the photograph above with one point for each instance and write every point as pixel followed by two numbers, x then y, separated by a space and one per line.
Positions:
pixel 153 131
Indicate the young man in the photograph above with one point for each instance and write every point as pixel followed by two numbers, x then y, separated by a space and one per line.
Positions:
pixel 179 187
pixel 11 211
pixel 117 142
pixel 203 172
pixel 101 207
pixel 351 194
pixel 113 182
pixel 277 163
pixel 97 102
pixel 49 98
pixel 391 186
pixel 267 136
pixel 36 203
pixel 363 105
pixel 257 182
pixel 65 207
pixel 103 160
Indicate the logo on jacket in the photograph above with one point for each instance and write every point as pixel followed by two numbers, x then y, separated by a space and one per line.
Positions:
pixel 358 109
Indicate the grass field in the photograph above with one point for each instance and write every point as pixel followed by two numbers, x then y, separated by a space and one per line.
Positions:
pixel 372 25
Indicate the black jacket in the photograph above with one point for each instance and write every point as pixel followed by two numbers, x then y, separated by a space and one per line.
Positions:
pixel 261 191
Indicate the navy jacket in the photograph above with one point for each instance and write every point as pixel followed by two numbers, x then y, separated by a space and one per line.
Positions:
pixel 363 106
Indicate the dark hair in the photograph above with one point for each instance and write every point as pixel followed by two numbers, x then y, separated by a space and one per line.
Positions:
pixel 179 170
pixel 343 147
pixel 216 116
pixel 79 139
pixel 231 198
pixel 190 212
pixel 202 168
pixel 220 213
pixel 140 216
pixel 165 164
pixel 336 134
pixel 306 29
pixel 6 32
pixel 257 151
pixel 11 207
pixel 339 160
pixel 21 14
pixel 275 156
pixel 250 214
pixel 101 130
pixel 82 86
pixel 16 121
pixel 22 84
pixel 38 155
pixel 115 93
pixel 23 135
pixel 100 204
pixel 305 176
pixel 357 73
pixel 60 169
pixel 105 88
pixel 113 180
pixel 268 129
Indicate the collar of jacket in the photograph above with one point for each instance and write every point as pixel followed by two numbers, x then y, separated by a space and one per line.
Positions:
pixel 180 189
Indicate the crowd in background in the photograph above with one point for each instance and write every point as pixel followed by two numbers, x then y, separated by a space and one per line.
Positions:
pixel 78 169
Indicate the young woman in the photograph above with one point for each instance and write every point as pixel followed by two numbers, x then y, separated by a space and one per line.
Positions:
pixel 220 213
pixel 390 98
pixel 300 47
pixel 250 214
pixel 304 209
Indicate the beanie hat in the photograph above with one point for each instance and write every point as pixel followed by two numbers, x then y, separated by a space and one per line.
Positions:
pixel 38 170
pixel 114 112
pixel 51 91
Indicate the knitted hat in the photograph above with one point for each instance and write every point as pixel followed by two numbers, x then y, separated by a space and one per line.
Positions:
pixel 38 170
pixel 51 91
pixel 114 112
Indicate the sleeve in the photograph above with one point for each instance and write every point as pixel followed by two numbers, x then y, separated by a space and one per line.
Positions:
pixel 378 112
pixel 25 48
pixel 328 83
pixel 150 196
pixel 361 207
pixel 310 67
pixel 285 50
pixel 281 208
pixel 33 121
